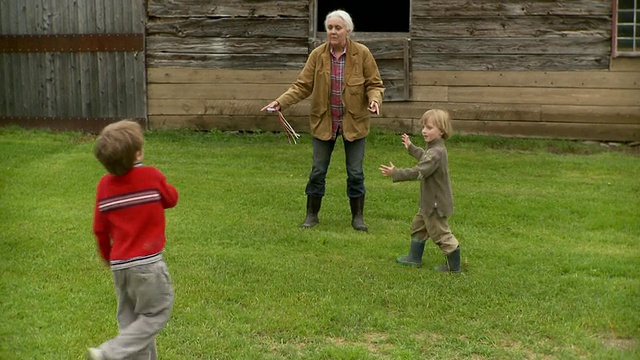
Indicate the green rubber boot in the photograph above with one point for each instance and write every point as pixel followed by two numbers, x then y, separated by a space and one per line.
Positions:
pixel 415 254
pixel 313 207
pixel 453 262
pixel 357 210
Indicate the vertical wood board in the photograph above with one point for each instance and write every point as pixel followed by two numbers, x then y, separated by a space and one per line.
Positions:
pixel 75 84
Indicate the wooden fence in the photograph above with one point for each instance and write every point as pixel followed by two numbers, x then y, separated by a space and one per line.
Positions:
pixel 72 64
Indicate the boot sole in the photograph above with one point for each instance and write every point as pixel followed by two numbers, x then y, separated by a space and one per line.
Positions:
pixel 446 270
pixel 404 263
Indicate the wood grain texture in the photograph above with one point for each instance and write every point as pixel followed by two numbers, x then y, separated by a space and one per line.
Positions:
pixel 219 76
pixel 227 61
pixel 551 79
pixel 546 96
pixel 216 45
pixel 510 26
pixel 227 8
pixel 584 131
pixel 512 46
pixel 87 68
pixel 487 100
pixel 453 8
pixel 230 27
pixel 481 62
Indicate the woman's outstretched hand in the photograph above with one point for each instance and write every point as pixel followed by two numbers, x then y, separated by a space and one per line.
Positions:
pixel 272 105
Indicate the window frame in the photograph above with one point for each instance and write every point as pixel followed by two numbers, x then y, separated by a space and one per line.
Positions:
pixel 317 35
pixel 635 52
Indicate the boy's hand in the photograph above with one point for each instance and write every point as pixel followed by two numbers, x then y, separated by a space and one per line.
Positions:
pixel 406 141
pixel 387 170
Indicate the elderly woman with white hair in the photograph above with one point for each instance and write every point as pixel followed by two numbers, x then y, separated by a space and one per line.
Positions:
pixel 344 83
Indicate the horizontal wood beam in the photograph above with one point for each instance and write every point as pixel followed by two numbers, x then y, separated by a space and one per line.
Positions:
pixel 573 131
pixel 85 124
pixel 401 110
pixel 71 43
pixel 453 8
pixel 542 79
pixel 219 76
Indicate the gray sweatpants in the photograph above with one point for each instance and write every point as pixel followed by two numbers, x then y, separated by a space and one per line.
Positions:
pixel 145 300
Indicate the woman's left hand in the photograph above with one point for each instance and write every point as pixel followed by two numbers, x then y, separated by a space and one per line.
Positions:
pixel 374 107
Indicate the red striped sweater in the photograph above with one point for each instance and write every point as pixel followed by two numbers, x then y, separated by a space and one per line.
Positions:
pixel 129 221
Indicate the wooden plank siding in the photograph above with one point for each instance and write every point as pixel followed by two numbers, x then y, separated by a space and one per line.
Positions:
pixel 66 85
pixel 507 103
pixel 241 43
pixel 514 68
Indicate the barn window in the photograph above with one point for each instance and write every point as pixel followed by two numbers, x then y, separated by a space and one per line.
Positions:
pixel 369 16
pixel 383 28
pixel 626 33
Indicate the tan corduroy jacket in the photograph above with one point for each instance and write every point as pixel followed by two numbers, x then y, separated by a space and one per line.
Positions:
pixel 362 84
pixel 433 172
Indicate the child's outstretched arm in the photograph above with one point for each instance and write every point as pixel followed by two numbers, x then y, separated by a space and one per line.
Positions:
pixel 414 151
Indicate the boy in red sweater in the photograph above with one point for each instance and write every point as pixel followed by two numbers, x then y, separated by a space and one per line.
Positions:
pixel 129 224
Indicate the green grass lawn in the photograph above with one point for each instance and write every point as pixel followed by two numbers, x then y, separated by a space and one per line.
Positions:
pixel 549 232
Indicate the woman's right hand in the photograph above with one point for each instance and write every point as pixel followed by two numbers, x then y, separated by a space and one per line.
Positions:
pixel 272 105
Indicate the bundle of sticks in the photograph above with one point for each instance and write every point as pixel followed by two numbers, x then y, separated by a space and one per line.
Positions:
pixel 292 135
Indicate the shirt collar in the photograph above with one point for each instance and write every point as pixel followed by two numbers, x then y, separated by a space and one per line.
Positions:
pixel 435 142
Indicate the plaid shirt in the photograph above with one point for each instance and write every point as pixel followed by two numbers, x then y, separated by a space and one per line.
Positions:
pixel 337 77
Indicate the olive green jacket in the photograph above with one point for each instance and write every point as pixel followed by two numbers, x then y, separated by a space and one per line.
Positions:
pixel 362 84
pixel 433 172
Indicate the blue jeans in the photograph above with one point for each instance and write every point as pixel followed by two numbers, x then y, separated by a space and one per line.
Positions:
pixel 354 154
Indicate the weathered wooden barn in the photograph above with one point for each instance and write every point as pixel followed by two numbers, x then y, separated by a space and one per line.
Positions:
pixel 538 68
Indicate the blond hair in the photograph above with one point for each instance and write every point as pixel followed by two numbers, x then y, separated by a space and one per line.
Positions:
pixel 118 146
pixel 440 119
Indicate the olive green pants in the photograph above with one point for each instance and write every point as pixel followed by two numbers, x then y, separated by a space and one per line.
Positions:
pixel 434 227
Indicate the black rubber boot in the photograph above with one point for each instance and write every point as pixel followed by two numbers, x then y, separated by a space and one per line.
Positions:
pixel 313 207
pixel 453 262
pixel 357 210
pixel 415 254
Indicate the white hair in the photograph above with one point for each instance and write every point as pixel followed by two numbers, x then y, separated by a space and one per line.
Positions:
pixel 342 15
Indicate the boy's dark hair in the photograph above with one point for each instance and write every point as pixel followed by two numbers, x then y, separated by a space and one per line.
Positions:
pixel 118 146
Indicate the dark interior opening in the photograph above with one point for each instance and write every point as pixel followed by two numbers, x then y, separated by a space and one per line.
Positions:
pixel 371 15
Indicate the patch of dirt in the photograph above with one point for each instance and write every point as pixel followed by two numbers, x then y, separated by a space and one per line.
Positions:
pixel 83 138
pixel 621 344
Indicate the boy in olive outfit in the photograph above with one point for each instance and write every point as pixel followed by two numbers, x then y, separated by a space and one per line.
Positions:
pixel 129 224
pixel 436 199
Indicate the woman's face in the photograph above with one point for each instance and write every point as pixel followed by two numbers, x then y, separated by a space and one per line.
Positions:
pixel 336 31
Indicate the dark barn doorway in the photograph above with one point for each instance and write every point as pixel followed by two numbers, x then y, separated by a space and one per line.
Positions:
pixel 370 16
